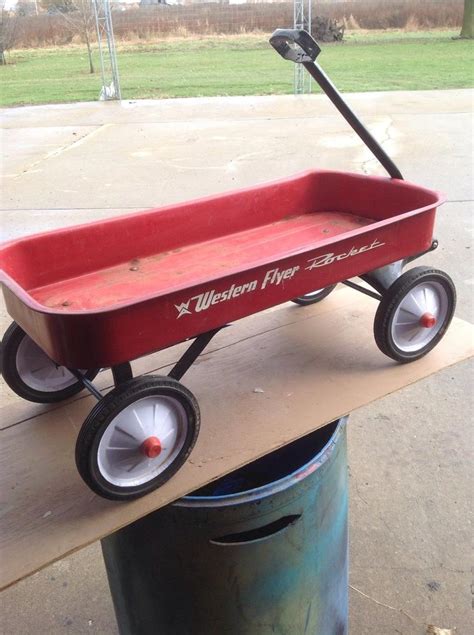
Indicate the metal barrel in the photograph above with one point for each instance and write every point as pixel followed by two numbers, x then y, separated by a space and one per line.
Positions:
pixel 261 551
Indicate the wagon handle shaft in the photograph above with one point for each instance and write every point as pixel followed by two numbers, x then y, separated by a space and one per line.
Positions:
pixel 298 46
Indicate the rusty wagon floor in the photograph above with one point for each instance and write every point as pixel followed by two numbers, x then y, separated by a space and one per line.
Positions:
pixel 164 272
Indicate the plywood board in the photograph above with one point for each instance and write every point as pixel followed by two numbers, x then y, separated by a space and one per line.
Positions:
pixel 313 364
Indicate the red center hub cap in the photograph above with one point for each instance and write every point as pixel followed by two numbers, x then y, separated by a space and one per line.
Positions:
pixel 151 447
pixel 427 320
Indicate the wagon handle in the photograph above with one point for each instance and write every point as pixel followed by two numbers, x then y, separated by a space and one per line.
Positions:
pixel 298 46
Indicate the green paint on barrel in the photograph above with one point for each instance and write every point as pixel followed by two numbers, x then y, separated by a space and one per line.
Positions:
pixel 261 551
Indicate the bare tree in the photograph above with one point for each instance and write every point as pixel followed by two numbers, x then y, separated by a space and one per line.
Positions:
pixel 8 30
pixel 467 30
pixel 56 6
pixel 80 18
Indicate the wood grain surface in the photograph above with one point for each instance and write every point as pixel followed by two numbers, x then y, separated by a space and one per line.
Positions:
pixel 311 365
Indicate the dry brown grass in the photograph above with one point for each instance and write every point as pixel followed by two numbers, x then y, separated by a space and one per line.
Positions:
pixel 373 14
pixel 214 19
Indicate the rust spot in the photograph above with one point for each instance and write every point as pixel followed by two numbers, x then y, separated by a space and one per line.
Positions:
pixel 158 257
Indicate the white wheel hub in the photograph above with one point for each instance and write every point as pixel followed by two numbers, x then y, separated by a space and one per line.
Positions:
pixel 419 316
pixel 38 371
pixel 142 441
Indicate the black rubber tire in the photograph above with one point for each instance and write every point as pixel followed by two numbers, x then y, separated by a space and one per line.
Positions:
pixel 390 302
pixel 309 298
pixel 104 413
pixel 12 339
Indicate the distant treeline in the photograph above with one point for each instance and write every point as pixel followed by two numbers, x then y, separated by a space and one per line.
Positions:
pixel 152 22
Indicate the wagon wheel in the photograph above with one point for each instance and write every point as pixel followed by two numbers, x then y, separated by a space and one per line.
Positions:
pixel 314 296
pixel 414 313
pixel 137 437
pixel 31 374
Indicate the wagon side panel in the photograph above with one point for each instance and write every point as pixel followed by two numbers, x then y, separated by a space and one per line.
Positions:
pixel 97 339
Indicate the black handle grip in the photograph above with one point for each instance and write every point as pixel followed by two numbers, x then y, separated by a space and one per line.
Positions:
pixel 294 45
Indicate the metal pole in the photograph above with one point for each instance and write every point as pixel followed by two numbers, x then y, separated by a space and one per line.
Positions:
pixel 99 42
pixel 301 20
pixel 112 50
pixel 108 57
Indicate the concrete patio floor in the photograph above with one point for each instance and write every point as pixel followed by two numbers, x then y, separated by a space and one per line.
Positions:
pixel 410 453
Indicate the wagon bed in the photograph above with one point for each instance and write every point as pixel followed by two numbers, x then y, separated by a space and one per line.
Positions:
pixel 180 268
pixel 103 293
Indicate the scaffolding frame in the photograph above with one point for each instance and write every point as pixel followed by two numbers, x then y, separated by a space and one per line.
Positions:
pixel 301 20
pixel 107 52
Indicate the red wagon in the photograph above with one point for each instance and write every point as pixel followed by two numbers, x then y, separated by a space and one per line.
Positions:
pixel 102 294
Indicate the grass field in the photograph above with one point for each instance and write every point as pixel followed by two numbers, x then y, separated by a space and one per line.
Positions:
pixel 239 65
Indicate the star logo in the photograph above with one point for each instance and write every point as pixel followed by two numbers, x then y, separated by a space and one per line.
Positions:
pixel 183 309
